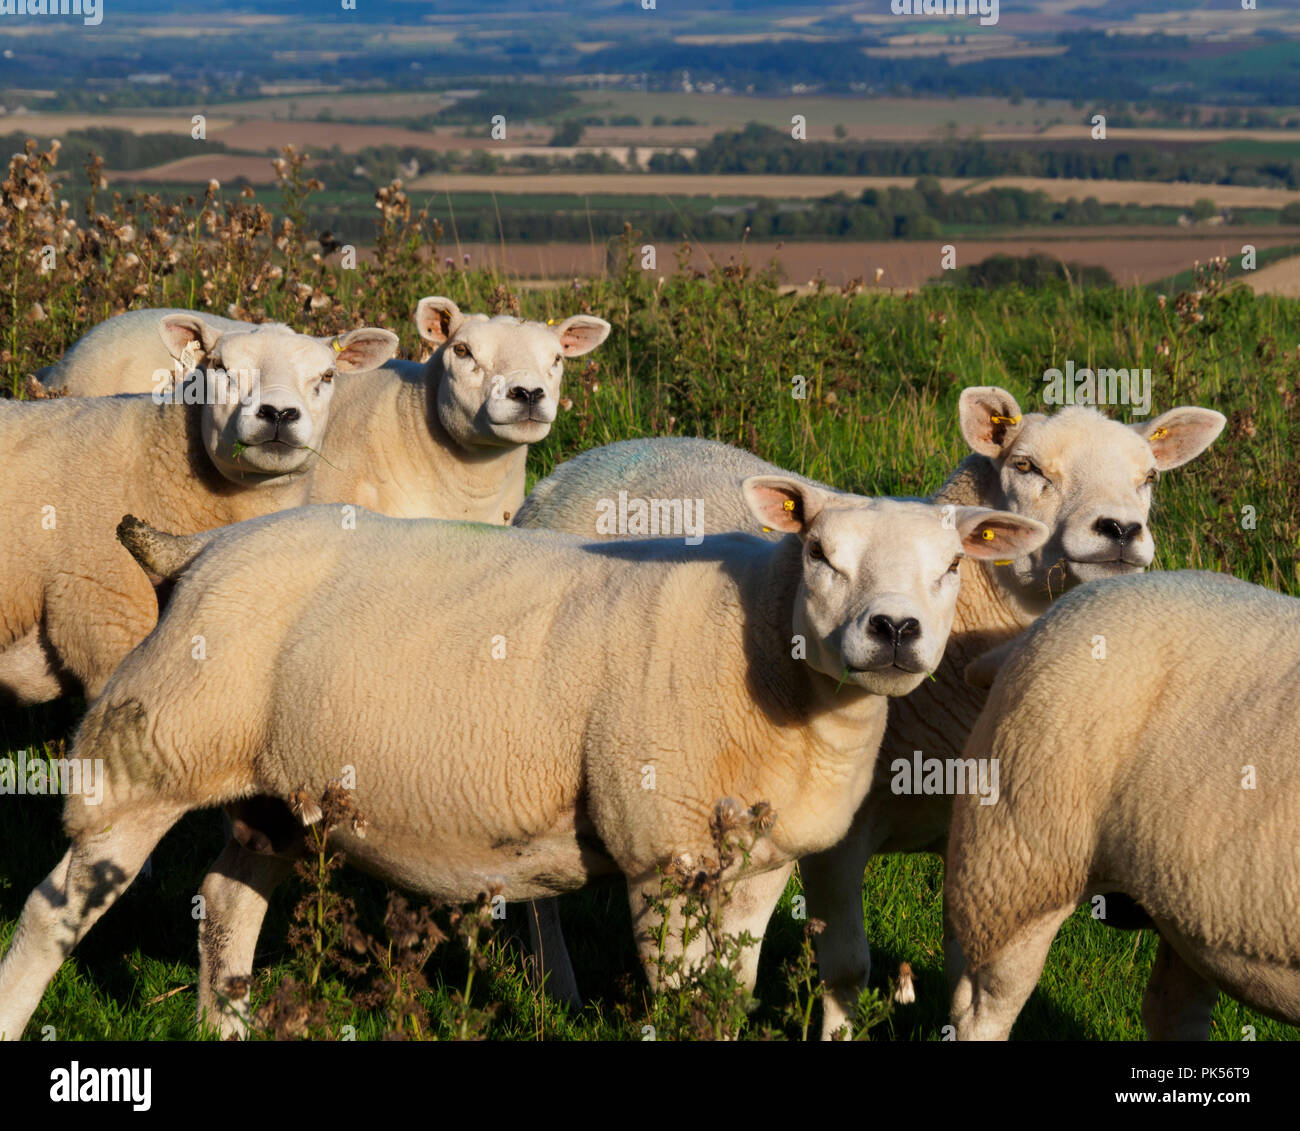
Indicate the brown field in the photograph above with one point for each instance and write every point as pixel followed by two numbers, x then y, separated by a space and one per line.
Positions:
pixel 223 167
pixel 261 123
pixel 353 137
pixel 1131 258
pixel 791 188
pixel 1282 278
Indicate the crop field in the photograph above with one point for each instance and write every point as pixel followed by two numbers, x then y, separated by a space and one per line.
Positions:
pixel 708 355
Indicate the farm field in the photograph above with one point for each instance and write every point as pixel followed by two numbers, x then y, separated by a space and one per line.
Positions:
pixel 794 188
pixel 1133 260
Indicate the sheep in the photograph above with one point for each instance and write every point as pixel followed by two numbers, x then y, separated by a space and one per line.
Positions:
pixel 1086 477
pixel 240 444
pixel 449 439
pixel 1148 740
pixel 444 439
pixel 738 668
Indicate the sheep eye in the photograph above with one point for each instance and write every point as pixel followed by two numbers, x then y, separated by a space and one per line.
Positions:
pixel 559 359
pixel 1024 465
pixel 460 349
pixel 327 377
pixel 956 564
pixel 1153 475
pixel 816 552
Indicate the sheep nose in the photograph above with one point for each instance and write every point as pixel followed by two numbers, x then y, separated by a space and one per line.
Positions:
pixel 1115 531
pixel 528 396
pixel 894 631
pixel 277 416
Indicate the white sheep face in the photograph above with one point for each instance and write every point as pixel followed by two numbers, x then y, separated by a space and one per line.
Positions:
pixel 880 577
pixel 266 392
pixel 500 381
pixel 1088 478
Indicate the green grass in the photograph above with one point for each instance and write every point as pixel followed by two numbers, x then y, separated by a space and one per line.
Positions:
pixel 715 357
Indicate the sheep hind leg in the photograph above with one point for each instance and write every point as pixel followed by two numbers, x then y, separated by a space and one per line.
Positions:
pixel 550 965
pixel 236 893
pixel 989 996
pixel 93 873
pixel 1178 1002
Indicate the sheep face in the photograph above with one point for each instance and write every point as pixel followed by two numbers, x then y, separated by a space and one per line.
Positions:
pixel 879 580
pixel 266 393
pixel 500 379
pixel 1087 478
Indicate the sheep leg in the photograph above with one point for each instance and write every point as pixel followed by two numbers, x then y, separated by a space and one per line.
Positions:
pixel 550 964
pixel 832 881
pixel 747 908
pixel 990 994
pixel 1178 1001
pixel 93 873
pixel 236 893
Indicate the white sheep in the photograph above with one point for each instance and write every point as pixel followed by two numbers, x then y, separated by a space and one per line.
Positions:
pixel 499 695
pixel 449 439
pixel 444 439
pixel 1088 478
pixel 1147 733
pixel 72 602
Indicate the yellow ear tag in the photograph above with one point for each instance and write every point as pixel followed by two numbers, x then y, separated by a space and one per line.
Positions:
pixel 767 530
pixel 988 535
pixel 1007 562
pixel 337 348
pixel 1159 434
pixel 788 505
pixel 550 321
pixel 1005 419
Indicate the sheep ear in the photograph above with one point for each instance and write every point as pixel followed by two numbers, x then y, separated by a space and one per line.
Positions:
pixel 436 319
pixel 581 334
pixel 783 504
pixel 188 338
pixel 1181 434
pixel 996 535
pixel 990 419
pixel 366 348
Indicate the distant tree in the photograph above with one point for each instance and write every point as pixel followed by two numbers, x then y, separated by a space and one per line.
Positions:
pixel 1204 208
pixel 568 132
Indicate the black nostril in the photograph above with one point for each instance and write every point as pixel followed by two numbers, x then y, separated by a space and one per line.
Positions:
pixel 1109 528
pixel 277 416
pixel 537 396
pixel 909 628
pixel 884 627
pixel 528 396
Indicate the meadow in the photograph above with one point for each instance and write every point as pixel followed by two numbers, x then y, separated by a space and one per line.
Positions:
pixel 693 352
